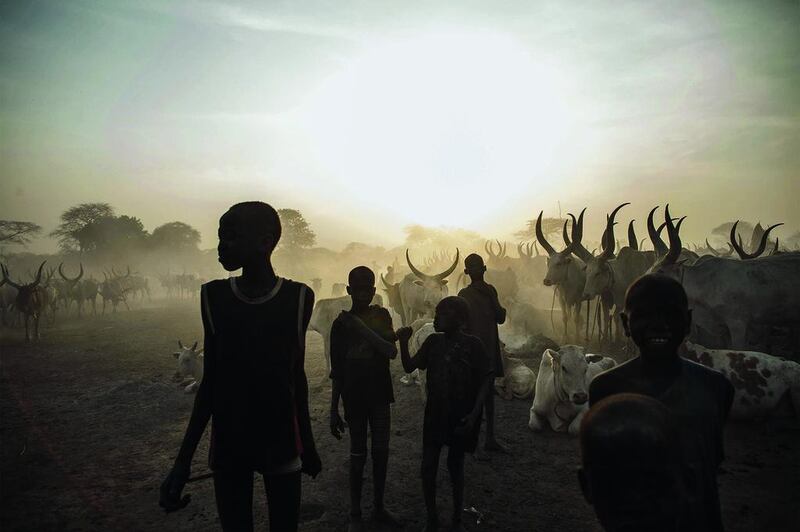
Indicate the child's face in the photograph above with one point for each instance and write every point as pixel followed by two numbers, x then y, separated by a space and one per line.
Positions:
pixel 445 319
pixel 657 327
pixel 237 246
pixel 361 293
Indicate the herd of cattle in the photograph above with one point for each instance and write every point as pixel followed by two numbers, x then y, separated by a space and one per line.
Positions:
pixel 745 304
pixel 26 303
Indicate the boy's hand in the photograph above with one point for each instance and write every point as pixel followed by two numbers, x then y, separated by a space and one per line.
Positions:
pixel 467 423
pixel 170 493
pixel 404 334
pixel 337 425
pixel 312 465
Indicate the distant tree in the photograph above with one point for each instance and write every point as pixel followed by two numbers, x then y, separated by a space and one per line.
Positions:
pixel 73 222
pixel 112 234
pixel 15 232
pixel 550 227
pixel 441 238
pixel 296 233
pixel 176 236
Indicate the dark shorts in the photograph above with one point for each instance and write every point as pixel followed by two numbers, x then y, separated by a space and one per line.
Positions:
pixel 373 418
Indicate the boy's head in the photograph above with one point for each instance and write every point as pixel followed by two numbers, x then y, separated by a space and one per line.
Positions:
pixel 361 285
pixel 632 469
pixel 473 264
pixel 248 233
pixel 452 313
pixel 656 315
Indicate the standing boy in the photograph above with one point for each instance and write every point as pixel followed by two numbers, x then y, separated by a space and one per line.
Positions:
pixel 458 379
pixel 485 313
pixel 362 343
pixel 254 387
pixel 658 319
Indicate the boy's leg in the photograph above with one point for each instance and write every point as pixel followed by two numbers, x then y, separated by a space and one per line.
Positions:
pixel 430 466
pixel 455 465
pixel 381 424
pixel 357 425
pixel 233 491
pixel 283 501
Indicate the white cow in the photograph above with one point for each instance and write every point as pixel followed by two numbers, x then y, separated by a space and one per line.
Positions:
pixel 325 311
pixel 422 328
pixel 519 381
pixel 190 367
pixel 562 387
pixel 759 380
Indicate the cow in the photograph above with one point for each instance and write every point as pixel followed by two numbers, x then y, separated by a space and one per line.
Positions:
pixel 113 289
pixel 567 275
pixel 30 300
pixel 499 260
pixel 8 294
pixel 190 367
pixel 68 288
pixel 86 292
pixel 562 387
pixel 759 380
pixel 325 311
pixel 731 299
pixel 519 381
pixel 338 289
pixel 417 295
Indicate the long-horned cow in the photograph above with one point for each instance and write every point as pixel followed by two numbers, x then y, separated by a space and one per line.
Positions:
pixel 30 300
pixel 737 304
pixel 566 274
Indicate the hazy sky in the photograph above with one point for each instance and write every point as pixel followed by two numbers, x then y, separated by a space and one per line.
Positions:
pixel 370 115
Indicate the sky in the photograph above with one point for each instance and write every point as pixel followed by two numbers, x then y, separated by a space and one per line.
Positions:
pixel 368 116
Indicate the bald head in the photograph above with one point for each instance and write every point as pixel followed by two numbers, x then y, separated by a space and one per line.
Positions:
pixel 361 276
pixel 256 218
pixel 474 265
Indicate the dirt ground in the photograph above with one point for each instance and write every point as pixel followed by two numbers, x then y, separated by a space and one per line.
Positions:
pixel 90 422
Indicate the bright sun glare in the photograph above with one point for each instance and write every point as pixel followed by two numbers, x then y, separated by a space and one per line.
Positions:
pixel 435 117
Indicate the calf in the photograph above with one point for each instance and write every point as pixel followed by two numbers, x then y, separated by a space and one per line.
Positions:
pixel 562 387
pixel 30 300
pixel 759 380
pixel 190 367
pixel 519 381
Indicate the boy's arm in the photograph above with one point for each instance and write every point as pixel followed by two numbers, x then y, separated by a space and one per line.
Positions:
pixel 311 461
pixel 499 311
pixel 201 411
pixel 375 340
pixel 418 361
pixel 337 356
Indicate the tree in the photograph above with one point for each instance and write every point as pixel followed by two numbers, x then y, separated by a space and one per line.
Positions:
pixel 176 236
pixel 75 219
pixel 112 234
pixel 15 232
pixel 296 233
pixel 550 227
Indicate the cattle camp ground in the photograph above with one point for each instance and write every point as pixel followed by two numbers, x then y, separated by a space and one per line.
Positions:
pixel 92 418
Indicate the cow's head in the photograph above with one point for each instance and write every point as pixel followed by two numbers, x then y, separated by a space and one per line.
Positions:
pixel 559 262
pixel 569 373
pixel 25 292
pixel 435 285
pixel 189 360
pixel 599 273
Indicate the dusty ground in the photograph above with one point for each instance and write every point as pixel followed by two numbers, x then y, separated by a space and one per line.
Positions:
pixel 90 422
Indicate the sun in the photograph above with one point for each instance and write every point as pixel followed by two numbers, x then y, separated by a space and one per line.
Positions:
pixel 439 128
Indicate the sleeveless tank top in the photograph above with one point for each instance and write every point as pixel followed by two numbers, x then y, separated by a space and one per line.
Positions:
pixel 257 344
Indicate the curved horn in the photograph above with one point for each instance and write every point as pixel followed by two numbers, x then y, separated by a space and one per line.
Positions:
pixel 571 246
pixel 487 247
pixel 739 251
pixel 641 243
pixel 609 251
pixel 414 270
pixel 540 236
pixel 775 249
pixel 564 234
pixel 383 280
pixel 536 247
pixel 761 246
pixel 658 245
pixel 674 240
pixel 7 277
pixel 577 235
pixel 711 249
pixel 38 275
pixel 180 344
pixel 449 270
pixel 194 346
pixel 519 250
pixel 502 250
pixel 633 242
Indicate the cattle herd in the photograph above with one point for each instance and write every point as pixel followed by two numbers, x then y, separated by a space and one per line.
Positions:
pixel 745 302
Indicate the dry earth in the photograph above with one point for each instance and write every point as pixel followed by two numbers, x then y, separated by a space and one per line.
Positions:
pixel 90 422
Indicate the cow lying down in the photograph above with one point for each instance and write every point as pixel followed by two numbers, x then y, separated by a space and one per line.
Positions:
pixel 562 387
pixel 759 380
pixel 190 367
pixel 519 381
